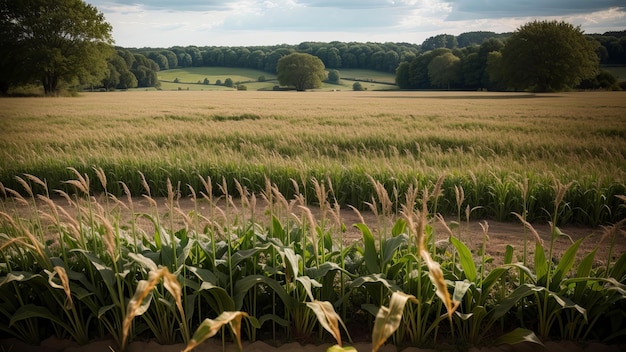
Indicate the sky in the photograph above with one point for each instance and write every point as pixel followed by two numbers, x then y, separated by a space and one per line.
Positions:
pixel 168 23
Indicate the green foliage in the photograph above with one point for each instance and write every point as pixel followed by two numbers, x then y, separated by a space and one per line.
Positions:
pixel 548 56
pixel 444 70
pixel 302 71
pixel 288 276
pixel 357 86
pixel 55 42
pixel 333 76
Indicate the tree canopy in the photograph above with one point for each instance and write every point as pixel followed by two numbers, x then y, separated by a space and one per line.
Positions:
pixel 53 41
pixel 303 71
pixel 548 56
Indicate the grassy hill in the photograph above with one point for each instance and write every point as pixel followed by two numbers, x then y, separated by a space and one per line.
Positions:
pixel 192 78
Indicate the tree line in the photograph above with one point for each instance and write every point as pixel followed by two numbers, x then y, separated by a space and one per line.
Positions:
pixel 67 43
pixel 440 62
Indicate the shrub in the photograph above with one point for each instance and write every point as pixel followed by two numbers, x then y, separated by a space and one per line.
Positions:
pixel 357 86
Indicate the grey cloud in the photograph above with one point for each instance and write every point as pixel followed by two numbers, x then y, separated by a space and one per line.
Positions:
pixel 484 9
pixel 349 5
pixel 177 5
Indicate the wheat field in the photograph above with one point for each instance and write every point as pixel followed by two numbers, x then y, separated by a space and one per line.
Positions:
pixel 484 141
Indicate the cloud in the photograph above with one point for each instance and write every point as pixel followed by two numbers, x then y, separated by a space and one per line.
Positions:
pixel 172 5
pixel 481 9
pixel 166 23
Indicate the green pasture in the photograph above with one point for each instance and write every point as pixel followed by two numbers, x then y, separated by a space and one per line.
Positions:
pixel 192 79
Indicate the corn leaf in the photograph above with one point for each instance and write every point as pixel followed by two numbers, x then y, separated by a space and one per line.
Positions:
pixel 370 253
pixel 337 348
pixel 565 265
pixel 388 318
pixel 307 283
pixel 466 259
pixel 516 336
pixel 243 285
pixel 209 327
pixel 391 245
pixel 541 265
pixel 327 317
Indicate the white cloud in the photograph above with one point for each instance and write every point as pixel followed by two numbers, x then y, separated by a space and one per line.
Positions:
pixel 165 23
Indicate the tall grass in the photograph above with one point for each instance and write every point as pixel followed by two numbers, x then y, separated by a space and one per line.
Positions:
pixel 106 271
pixel 485 143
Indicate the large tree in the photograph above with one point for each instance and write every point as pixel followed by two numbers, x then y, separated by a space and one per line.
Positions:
pixel 303 71
pixel 548 56
pixel 53 41
pixel 444 70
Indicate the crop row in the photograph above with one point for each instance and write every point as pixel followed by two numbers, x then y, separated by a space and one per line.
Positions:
pixel 93 269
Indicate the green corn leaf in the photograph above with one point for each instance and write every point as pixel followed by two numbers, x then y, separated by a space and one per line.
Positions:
pixel 583 270
pixel 324 269
pixel 245 254
pixel 516 336
pixel 275 318
pixel 33 311
pixel 375 279
pixel 106 273
pixel 370 254
pixel 398 228
pixel 292 262
pixel 466 259
pixel 391 245
pixel 565 265
pixel 205 275
pixel 508 254
pixel 618 271
pixel 243 285
pixel 388 318
pixel 541 266
pixel 511 300
pixel 104 309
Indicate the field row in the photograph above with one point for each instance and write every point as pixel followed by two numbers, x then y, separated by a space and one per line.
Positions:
pixel 488 143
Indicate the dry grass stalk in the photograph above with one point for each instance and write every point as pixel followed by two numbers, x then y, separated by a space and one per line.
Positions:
pixel 530 227
pixel 65 283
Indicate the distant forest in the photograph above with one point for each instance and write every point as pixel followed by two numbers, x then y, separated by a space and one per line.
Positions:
pixel 133 67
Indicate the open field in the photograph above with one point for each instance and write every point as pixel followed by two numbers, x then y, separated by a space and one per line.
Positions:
pixel 182 210
pixel 191 78
pixel 486 143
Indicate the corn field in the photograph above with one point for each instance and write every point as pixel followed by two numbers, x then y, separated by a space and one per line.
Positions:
pixel 488 143
pixel 251 260
pixel 185 276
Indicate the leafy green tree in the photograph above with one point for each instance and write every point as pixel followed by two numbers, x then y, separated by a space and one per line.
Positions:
pixel 548 56
pixel 444 70
pixel 53 41
pixel 440 41
pixel 228 82
pixel 303 71
pixel 172 59
pixel 402 75
pixel 333 76
pixel 357 86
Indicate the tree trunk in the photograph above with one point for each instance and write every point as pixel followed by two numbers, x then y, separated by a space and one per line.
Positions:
pixel 50 83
